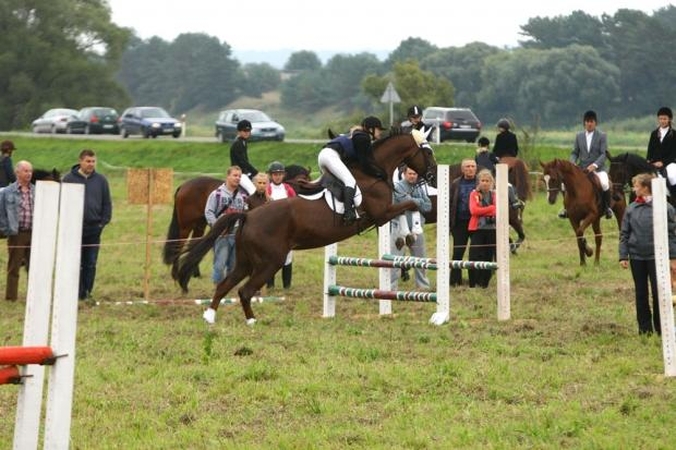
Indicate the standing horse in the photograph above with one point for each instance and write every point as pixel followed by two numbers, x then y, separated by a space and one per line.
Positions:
pixel 190 199
pixel 627 165
pixel 519 176
pixel 582 200
pixel 265 235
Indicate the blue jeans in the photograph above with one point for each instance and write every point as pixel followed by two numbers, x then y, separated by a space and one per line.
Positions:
pixel 224 257
pixel 91 241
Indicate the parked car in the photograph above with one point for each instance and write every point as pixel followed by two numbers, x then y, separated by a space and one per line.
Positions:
pixel 263 128
pixel 53 121
pixel 453 123
pixel 148 121
pixel 94 120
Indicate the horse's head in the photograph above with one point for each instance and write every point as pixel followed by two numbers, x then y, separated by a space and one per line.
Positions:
pixel 295 172
pixel 397 147
pixel 553 178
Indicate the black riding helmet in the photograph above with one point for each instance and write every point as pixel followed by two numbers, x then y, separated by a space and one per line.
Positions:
pixel 276 167
pixel 244 125
pixel 665 111
pixel 372 122
pixel 503 123
pixel 414 111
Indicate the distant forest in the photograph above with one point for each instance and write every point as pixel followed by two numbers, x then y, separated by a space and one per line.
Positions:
pixel 68 53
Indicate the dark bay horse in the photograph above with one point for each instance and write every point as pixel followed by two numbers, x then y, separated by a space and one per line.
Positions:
pixel 582 200
pixel 190 198
pixel 266 234
pixel 624 167
pixel 519 176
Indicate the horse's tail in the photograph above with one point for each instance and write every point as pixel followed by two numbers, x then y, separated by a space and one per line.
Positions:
pixel 185 265
pixel 171 245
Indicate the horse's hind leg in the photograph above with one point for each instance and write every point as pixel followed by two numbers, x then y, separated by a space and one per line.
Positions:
pixel 198 232
pixel 255 283
pixel 225 286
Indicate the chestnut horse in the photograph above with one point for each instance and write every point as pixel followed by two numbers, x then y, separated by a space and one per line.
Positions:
pixel 187 219
pixel 582 200
pixel 266 234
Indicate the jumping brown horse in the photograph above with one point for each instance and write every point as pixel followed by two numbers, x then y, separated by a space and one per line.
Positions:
pixel 187 219
pixel 266 234
pixel 519 176
pixel 582 200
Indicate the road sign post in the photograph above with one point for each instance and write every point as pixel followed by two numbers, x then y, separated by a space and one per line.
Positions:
pixel 390 96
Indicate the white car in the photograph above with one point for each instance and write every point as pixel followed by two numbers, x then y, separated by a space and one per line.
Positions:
pixel 53 121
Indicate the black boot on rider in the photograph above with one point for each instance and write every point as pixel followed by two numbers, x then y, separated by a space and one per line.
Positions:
pixel 286 275
pixel 350 215
pixel 605 195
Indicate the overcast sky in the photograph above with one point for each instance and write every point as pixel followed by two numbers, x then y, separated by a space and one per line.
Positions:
pixel 350 26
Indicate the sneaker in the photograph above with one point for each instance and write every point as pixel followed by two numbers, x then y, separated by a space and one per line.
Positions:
pixel 563 214
pixel 209 316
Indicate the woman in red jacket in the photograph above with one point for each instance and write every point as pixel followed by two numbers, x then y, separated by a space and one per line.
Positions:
pixel 482 227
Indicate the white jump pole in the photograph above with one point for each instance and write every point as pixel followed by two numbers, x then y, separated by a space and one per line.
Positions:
pixel 64 317
pixel 384 274
pixel 443 313
pixel 502 243
pixel 329 279
pixel 38 310
pixel 661 239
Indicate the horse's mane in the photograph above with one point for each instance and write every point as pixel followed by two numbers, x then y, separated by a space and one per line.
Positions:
pixel 295 170
pixel 637 161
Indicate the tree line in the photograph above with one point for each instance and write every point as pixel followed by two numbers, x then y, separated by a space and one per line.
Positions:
pixel 68 53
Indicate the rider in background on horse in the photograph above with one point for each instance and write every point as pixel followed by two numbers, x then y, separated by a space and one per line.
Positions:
pixel 662 148
pixel 277 190
pixel 353 147
pixel 7 175
pixel 506 143
pixel 239 156
pixel 486 159
pixel 589 153
pixel 414 115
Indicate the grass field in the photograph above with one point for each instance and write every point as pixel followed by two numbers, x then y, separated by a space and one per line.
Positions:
pixel 567 371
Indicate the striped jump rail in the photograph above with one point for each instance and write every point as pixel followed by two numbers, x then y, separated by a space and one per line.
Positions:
pixel 453 264
pixel 407 296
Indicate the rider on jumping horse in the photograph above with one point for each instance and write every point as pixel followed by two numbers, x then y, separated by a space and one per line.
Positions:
pixel 355 146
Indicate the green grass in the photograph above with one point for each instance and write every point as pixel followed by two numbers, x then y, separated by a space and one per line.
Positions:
pixel 568 370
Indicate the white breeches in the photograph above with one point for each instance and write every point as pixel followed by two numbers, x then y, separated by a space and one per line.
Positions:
pixel 329 159
pixel 671 173
pixel 247 184
pixel 603 179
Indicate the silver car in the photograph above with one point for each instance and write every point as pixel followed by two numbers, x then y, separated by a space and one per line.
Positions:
pixel 53 121
pixel 263 128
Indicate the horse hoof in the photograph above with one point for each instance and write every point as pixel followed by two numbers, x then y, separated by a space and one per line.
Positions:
pixel 399 243
pixel 251 322
pixel 209 316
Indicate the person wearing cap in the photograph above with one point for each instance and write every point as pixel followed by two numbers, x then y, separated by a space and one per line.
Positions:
pixel 589 153
pixel 277 190
pixel 239 156
pixel 506 143
pixel 7 175
pixel 355 146
pixel 662 148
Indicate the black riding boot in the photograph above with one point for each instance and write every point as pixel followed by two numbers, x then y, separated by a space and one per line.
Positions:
pixel 350 215
pixel 286 275
pixel 605 195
